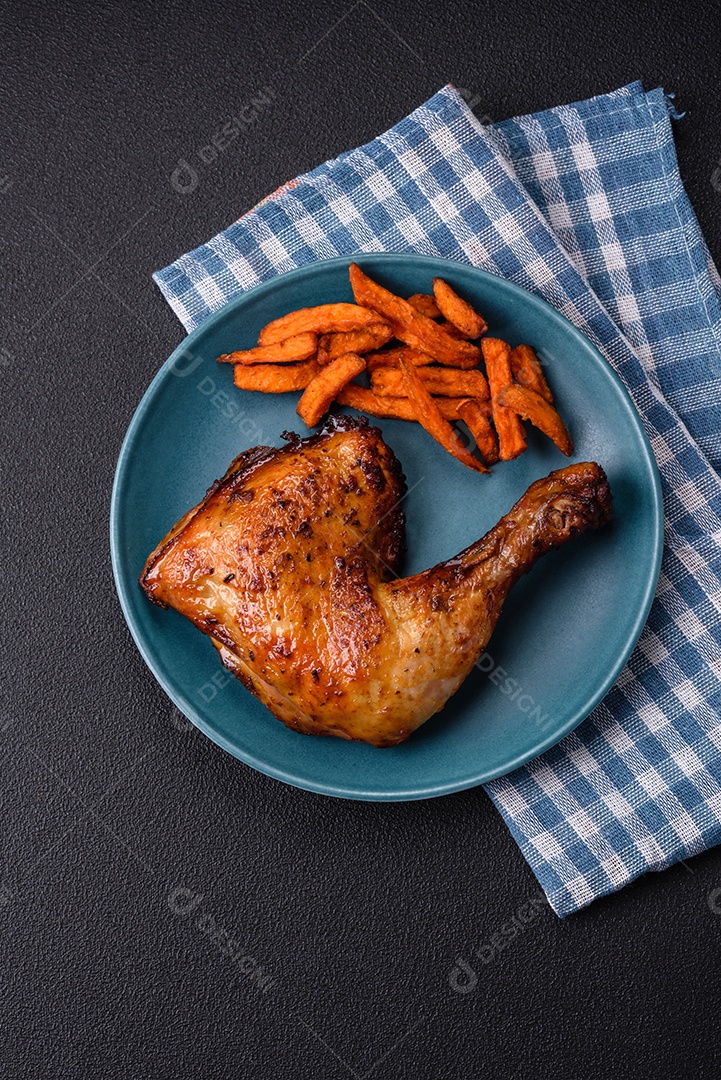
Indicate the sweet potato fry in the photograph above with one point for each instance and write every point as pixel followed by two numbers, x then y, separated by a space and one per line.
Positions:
pixel 322 389
pixel 457 310
pixel 531 406
pixel 452 331
pixel 275 378
pixel 431 418
pixel 474 415
pixel 390 358
pixel 390 382
pixel 426 304
pixel 511 441
pixel 331 346
pixel 527 371
pixel 409 325
pixel 300 347
pixel 398 408
pixel 449 331
pixel 364 400
pixel 324 319
pixel 416 342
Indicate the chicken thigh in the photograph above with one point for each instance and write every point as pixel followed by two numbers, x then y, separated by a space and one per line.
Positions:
pixel 290 565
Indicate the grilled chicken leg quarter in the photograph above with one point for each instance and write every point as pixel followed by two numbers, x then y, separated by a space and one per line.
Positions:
pixel 289 564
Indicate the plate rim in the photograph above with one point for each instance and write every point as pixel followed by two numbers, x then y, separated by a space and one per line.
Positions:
pixel 191 712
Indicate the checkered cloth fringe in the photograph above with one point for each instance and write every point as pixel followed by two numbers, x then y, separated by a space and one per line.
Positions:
pixel 584 205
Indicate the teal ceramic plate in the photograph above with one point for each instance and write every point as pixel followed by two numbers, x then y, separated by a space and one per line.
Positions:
pixel 567 628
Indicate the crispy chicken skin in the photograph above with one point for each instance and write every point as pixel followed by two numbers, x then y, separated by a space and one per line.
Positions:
pixel 290 565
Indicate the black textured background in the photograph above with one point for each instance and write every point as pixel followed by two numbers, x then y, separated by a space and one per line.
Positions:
pixel 141 865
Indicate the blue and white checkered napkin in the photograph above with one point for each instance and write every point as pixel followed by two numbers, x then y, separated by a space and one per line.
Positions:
pixel 584 205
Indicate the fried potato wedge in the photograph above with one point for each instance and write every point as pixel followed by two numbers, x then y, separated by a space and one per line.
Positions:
pixel 531 406
pixel 324 319
pixel 332 346
pixel 409 325
pixel 475 417
pixel 511 441
pixel 430 417
pixel 457 310
pixel 527 371
pixel 320 392
pixel 275 378
pixel 426 304
pixel 394 408
pixel 446 382
pixel 390 358
pixel 300 347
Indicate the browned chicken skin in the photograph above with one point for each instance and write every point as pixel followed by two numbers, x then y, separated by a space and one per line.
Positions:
pixel 290 564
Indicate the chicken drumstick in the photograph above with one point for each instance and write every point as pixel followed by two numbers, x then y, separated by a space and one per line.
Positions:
pixel 289 564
